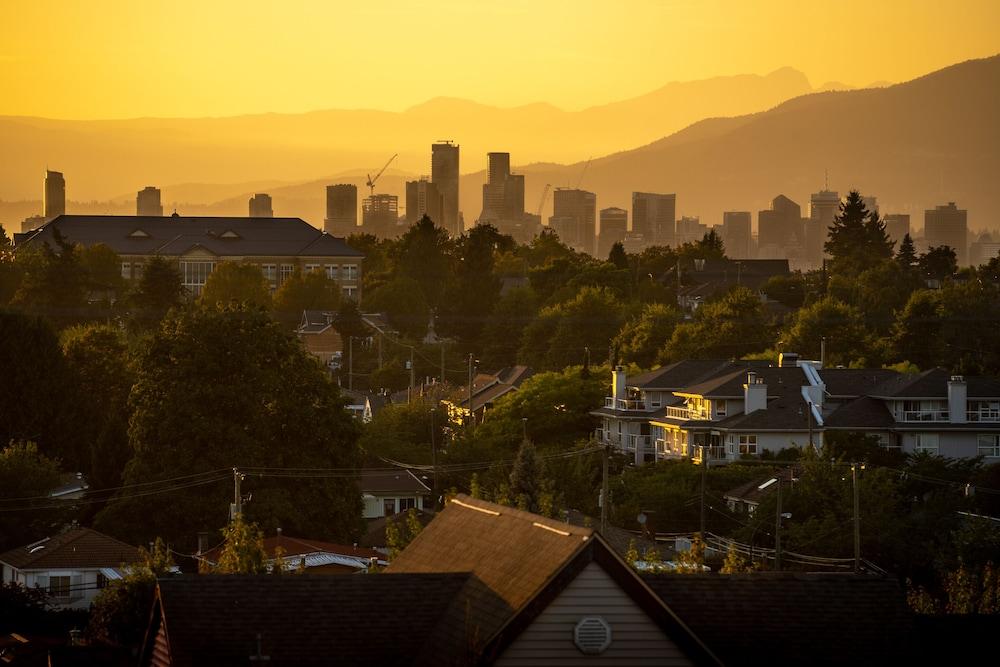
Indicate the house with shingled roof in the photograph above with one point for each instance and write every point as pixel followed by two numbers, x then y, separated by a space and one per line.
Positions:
pixel 487 389
pixel 552 592
pixel 389 492
pixel 279 246
pixel 312 556
pixel 73 566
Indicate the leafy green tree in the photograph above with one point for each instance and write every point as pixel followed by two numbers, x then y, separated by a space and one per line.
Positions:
pixel 883 290
pixel 691 561
pixel 403 432
pixel 787 290
pixel 733 326
pixel 121 611
pixel 549 280
pixel 916 333
pixel 736 563
pixel 277 407
pixel 98 360
pixel 404 303
pixel 529 487
pixel 474 288
pixel 505 327
pixel 617 256
pixel 399 534
pixel 938 263
pixel 306 291
pixel 857 238
pixel 103 269
pixel 10 270
pixel 641 339
pixel 23 610
pixel 159 289
pixel 562 333
pixel 26 473
pixel 53 281
pixel 842 325
pixel 235 282
pixel 424 257
pixel 242 549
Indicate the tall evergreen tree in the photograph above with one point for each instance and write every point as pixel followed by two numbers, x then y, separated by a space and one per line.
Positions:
pixel 617 256
pixel 906 255
pixel 857 238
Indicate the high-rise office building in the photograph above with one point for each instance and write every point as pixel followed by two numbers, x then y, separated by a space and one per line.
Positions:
pixel 380 215
pixel 503 192
pixel 260 206
pixel 690 230
pixel 574 218
pixel 423 198
pixel 147 202
pixel 341 209
pixel 823 208
pixel 736 233
pixel 444 174
pixel 779 229
pixel 653 216
pixel 54 203
pixel 947 225
pixel 614 226
pixel 897 225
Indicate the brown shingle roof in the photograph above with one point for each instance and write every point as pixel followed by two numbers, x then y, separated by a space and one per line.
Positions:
pixel 792 619
pixel 78 548
pixel 401 481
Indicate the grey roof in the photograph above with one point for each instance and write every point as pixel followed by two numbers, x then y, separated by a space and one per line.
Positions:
pixel 177 235
pixel 933 383
pixel 854 381
pixel 862 413
pixel 678 374
pixel 789 412
pixel 730 384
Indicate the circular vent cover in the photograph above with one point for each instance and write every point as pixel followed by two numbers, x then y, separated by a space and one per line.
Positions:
pixel 592 635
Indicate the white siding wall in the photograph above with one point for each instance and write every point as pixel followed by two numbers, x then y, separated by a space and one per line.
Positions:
pixel 636 639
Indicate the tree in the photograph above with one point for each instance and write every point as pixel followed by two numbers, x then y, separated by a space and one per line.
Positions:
pixel 841 325
pixel 306 291
pixel 53 281
pixel 505 327
pixel 938 263
pixel 403 302
pixel 242 549
pixel 787 290
pixel 529 487
pixel 691 561
pixel 736 563
pixel 103 269
pixel 121 611
pixel 906 255
pixel 159 289
pixel 916 334
pixel 730 327
pixel 398 536
pixel 882 291
pixel 403 432
pixel 710 246
pixel 423 256
pixel 26 473
pixel 562 333
pixel 617 256
pixel 234 282
pixel 217 389
pixel 857 238
pixel 97 357
pixel 640 339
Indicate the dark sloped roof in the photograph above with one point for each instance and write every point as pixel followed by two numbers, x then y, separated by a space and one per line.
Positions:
pixel 751 492
pixel 81 548
pixel 786 413
pixel 779 381
pixel 854 381
pixel 933 383
pixel 176 235
pixel 306 620
pixel 861 413
pixel 678 374
pixel 618 539
pixel 393 481
pixel 792 619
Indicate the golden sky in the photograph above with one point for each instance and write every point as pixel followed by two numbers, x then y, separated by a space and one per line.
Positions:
pixel 127 58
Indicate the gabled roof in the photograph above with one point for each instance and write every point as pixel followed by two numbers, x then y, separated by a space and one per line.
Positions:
pixel 524 560
pixel 779 381
pixel 488 387
pixel 295 546
pixel 861 413
pixel 176 235
pixel 378 482
pixel 678 374
pixel 793 619
pixel 788 412
pixel 751 492
pixel 315 321
pixel 307 619
pixel 78 548
pixel 933 383
pixel 854 381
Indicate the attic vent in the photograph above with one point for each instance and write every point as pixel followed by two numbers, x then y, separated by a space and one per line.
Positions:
pixel 592 635
pixel 138 234
pixel 229 234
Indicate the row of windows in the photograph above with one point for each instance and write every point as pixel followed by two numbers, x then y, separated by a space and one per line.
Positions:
pixel 987 445
pixel 347 272
pixel 744 443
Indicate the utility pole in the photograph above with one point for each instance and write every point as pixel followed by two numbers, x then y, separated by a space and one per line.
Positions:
pixel 350 363
pixel 604 490
pixel 857 519
pixel 380 349
pixel 472 415
pixel 237 507
pixel 442 363
pixel 822 352
pixel 413 371
pixel 809 416
pixel 777 530
pixel 704 473
pixel 434 463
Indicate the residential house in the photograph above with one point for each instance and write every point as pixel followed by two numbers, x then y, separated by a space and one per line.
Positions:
pixel 386 493
pixel 705 278
pixel 487 389
pixel 73 566
pixel 278 246
pixel 363 405
pixel 310 556
pixel 320 338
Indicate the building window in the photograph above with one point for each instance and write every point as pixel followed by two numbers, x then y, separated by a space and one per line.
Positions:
pixel 925 411
pixel 196 274
pixel 350 271
pixel 312 267
pixel 748 444
pixel 720 408
pixel 270 272
pixel 137 268
pixel 989 446
pixel 126 270
pixel 350 292
pixel 984 411
pixel 286 271
pixel 389 506
pixel 332 271
pixel 926 442
pixel 407 503
pixel 102 581
pixel 59 586
pixel 731 444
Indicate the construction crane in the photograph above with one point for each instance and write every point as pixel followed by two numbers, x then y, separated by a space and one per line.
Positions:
pixel 371 181
pixel 584 172
pixel 541 204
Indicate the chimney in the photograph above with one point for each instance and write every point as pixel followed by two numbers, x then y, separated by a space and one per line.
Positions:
pixel 754 394
pixel 788 360
pixel 618 383
pixel 958 394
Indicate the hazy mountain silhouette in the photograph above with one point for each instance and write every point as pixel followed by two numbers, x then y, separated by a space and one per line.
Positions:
pixel 103 159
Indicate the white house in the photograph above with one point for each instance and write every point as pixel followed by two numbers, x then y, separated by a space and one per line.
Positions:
pixel 73 567
pixel 389 493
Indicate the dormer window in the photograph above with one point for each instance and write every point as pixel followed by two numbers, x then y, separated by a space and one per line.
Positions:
pixel 138 234
pixel 229 234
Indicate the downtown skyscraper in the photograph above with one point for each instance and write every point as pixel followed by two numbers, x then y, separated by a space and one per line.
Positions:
pixel 444 175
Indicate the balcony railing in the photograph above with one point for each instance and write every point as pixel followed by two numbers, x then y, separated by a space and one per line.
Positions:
pixel 624 404
pixel 925 416
pixel 714 453
pixel 982 416
pixel 607 437
pixel 678 413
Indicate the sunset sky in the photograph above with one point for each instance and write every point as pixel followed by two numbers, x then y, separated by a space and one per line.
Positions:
pixel 123 58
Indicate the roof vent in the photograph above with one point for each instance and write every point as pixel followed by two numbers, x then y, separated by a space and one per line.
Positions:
pixel 592 635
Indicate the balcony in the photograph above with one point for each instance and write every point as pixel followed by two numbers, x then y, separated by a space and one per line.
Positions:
pixel 679 413
pixel 925 416
pixel 607 437
pixel 624 404
pixel 982 416
pixel 715 453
